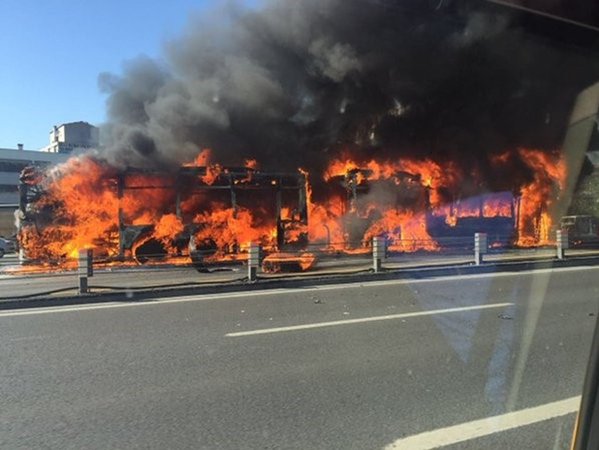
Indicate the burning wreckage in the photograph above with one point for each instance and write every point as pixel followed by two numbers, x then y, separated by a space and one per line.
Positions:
pixel 202 213
pixel 210 213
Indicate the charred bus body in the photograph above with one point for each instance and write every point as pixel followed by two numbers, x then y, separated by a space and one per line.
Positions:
pixel 230 188
pixel 366 200
pixel 189 193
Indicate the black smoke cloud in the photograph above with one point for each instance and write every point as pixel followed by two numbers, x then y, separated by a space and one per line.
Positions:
pixel 298 81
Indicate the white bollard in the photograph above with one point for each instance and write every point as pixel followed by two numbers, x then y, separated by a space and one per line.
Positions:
pixel 253 261
pixel 22 256
pixel 561 243
pixel 480 247
pixel 85 270
pixel 378 253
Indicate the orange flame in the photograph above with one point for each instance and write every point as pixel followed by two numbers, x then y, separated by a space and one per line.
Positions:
pixel 167 228
pixel 87 214
pixel 231 229
pixel 535 221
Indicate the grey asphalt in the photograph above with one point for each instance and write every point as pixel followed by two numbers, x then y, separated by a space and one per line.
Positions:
pixel 165 375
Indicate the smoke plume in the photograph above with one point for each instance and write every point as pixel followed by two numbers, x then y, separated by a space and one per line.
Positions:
pixel 295 82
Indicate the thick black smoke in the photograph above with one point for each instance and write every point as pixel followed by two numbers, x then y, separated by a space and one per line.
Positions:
pixel 297 81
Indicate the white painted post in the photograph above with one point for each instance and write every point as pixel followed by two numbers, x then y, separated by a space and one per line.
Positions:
pixel 561 243
pixel 85 270
pixel 253 261
pixel 378 253
pixel 480 247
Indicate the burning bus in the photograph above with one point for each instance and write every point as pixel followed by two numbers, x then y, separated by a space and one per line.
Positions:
pixel 208 212
pixel 147 214
pixel 421 204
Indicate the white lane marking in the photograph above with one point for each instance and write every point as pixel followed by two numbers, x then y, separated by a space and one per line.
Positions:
pixel 278 291
pixel 483 427
pixel 26 338
pixel 334 323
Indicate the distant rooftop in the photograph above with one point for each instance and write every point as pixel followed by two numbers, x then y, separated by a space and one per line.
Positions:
pixel 82 122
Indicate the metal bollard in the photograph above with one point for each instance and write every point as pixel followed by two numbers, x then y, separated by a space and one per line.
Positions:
pixel 253 261
pixel 561 243
pixel 22 256
pixel 85 270
pixel 378 253
pixel 480 247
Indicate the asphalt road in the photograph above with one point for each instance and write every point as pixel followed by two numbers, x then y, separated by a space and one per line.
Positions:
pixel 348 366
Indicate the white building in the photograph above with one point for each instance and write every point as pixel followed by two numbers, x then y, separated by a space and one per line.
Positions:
pixel 72 136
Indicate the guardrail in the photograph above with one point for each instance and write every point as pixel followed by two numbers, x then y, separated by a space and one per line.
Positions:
pixel 334 258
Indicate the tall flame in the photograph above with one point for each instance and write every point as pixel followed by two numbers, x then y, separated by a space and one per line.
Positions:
pixel 537 197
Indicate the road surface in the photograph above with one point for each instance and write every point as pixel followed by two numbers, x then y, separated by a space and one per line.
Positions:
pixel 354 366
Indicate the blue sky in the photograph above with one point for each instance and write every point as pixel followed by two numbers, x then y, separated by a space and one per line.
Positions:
pixel 53 50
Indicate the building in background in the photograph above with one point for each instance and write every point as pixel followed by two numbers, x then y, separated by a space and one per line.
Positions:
pixel 72 136
pixel 12 162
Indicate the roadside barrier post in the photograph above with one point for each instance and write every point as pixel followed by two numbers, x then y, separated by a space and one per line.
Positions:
pixel 561 243
pixel 480 247
pixel 378 253
pixel 85 270
pixel 253 261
